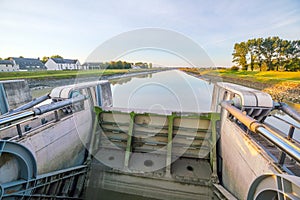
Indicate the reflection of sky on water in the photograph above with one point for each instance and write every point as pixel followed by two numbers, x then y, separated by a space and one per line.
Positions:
pixel 175 91
pixel 169 90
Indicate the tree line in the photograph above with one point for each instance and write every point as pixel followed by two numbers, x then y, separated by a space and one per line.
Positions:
pixel 126 65
pixel 267 54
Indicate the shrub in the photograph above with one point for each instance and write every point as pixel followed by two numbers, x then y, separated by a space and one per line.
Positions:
pixel 234 68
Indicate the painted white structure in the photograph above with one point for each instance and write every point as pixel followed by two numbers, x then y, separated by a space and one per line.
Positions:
pixel 62 64
pixel 94 65
pixel 8 66
pixel 58 144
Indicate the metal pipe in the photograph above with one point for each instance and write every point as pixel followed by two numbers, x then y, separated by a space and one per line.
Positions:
pixel 50 107
pixel 41 110
pixel 291 112
pixel 288 149
pixel 30 104
pixel 19 116
pixel 257 127
pixel 251 123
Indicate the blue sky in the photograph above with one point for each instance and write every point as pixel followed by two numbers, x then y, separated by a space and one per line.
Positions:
pixel 73 29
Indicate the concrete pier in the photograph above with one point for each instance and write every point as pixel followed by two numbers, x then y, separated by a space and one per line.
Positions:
pixel 13 93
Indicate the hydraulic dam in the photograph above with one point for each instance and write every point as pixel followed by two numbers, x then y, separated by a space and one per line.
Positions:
pixel 78 142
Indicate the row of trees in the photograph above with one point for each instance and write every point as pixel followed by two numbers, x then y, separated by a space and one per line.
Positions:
pixel 270 53
pixel 45 58
pixel 143 65
pixel 118 65
pixel 125 65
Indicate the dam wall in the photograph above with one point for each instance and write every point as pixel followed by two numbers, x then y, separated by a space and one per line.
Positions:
pixel 13 93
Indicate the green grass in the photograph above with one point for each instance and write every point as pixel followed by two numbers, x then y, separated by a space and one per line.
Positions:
pixel 265 77
pixel 63 74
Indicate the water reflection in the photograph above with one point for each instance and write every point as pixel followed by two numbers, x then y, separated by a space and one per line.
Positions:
pixel 127 79
pixel 175 91
pixel 169 90
pixel 281 125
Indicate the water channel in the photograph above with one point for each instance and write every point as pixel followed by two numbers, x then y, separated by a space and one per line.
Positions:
pixel 171 90
pixel 176 91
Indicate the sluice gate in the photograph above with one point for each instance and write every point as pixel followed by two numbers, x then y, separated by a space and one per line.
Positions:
pixel 160 156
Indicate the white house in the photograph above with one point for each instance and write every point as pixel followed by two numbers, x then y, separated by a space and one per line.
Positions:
pixel 8 66
pixel 62 64
pixel 93 65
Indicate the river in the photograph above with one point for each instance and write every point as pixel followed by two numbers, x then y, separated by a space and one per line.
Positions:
pixel 171 90
pixel 176 91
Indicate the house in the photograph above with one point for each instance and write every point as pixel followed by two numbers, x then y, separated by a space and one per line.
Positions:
pixel 94 65
pixel 8 66
pixel 62 64
pixel 135 67
pixel 28 63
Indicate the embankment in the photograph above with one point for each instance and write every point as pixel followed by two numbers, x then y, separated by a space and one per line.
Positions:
pixel 280 91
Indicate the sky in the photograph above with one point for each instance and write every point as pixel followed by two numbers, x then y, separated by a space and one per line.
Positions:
pixel 75 28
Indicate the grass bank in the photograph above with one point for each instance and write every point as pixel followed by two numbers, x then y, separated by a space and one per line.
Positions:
pixel 65 74
pixel 282 86
pixel 272 77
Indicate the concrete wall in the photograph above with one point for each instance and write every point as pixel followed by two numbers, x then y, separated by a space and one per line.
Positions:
pixel 16 93
pixel 242 159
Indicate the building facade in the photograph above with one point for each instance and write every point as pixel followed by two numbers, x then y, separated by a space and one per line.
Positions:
pixel 8 66
pixel 62 64
pixel 28 64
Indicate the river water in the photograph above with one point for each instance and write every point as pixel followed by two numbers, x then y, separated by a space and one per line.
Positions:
pixel 169 90
pixel 172 90
pixel 176 91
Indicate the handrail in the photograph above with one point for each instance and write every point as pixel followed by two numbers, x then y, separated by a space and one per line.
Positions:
pixel 41 110
pixel 34 102
pixel 285 121
pixel 259 128
pixel 288 110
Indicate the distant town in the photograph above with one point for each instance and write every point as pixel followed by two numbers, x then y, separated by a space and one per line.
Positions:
pixel 57 62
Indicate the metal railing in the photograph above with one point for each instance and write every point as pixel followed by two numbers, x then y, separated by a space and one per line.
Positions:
pixel 288 110
pixel 253 125
pixel 16 119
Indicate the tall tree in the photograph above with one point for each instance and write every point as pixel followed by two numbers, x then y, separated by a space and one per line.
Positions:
pixel 258 52
pixel 239 55
pixel 281 54
pixel 293 54
pixel 56 56
pixel 251 48
pixel 269 46
pixel 45 59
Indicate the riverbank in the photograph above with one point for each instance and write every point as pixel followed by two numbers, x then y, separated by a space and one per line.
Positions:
pixel 68 74
pixel 42 86
pixel 282 86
